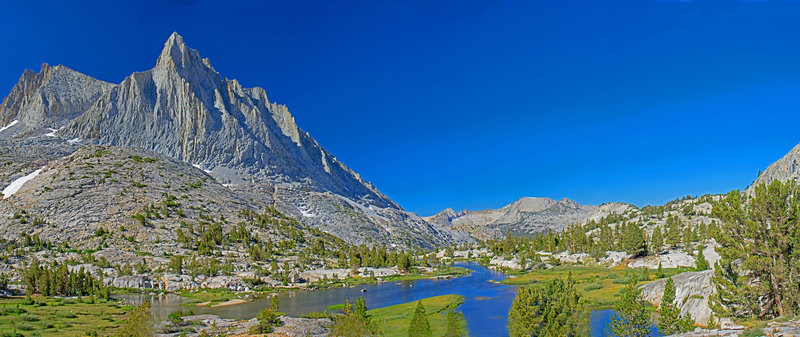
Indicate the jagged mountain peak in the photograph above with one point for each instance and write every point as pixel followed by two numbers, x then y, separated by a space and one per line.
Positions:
pixel 183 109
pixel 178 59
pixel 48 99
pixel 177 53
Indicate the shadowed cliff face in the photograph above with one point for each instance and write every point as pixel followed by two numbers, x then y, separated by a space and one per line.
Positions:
pixel 182 108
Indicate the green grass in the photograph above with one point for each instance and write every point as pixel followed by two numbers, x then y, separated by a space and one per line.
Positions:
pixel 599 286
pixel 60 317
pixel 394 320
pixel 354 281
pixel 210 296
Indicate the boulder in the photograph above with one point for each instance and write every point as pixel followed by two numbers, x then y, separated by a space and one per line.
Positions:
pixel 173 282
pixel 500 262
pixel 133 281
pixel 692 290
pixel 302 327
pixel 671 259
pixel 612 259
pixel 230 282
pixel 294 277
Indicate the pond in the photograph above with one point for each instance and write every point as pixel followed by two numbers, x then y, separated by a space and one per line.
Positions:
pixel 485 307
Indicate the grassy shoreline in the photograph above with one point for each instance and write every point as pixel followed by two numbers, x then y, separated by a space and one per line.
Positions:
pixel 60 317
pixel 210 297
pixel 599 286
pixel 394 320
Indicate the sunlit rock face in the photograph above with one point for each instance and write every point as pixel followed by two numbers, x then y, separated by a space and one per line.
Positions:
pixel 185 110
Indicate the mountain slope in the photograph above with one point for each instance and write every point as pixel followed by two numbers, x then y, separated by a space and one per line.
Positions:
pixel 523 217
pixel 183 109
pixel 48 99
pixel 786 168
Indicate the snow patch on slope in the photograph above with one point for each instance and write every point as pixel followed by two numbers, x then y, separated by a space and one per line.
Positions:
pixel 52 132
pixel 17 184
pixel 14 122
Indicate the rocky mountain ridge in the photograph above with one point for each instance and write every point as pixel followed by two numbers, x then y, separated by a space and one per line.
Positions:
pixel 785 168
pixel 183 109
pixel 524 217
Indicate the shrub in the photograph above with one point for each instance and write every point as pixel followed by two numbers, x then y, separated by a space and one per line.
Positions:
pixel 29 317
pixel 593 286
pixel 66 314
pixel 622 280
pixel 317 314
pixel 25 327
pixel 175 317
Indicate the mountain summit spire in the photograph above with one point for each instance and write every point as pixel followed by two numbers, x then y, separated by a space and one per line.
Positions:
pixel 182 108
pixel 179 56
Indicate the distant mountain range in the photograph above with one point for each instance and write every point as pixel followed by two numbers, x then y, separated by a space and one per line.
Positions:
pixel 183 109
pixel 525 216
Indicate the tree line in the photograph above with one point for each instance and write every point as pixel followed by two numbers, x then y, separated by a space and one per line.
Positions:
pixel 57 279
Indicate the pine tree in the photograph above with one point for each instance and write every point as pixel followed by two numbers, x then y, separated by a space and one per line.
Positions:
pixel 669 321
pixel 139 322
pixel 673 231
pixel 701 262
pixel 630 319
pixel 355 322
pixel 759 237
pixel 633 240
pixel 657 240
pixel 454 319
pixel 419 327
pixel 360 309
pixel 554 308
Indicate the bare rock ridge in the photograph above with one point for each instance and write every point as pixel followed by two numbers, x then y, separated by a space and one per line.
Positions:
pixel 524 216
pixel 48 99
pixel 784 169
pixel 184 109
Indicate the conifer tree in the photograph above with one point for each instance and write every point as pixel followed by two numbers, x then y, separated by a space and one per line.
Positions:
pixel 355 322
pixel 700 261
pixel 554 308
pixel 139 322
pixel 757 274
pixel 454 328
pixel 633 240
pixel 670 321
pixel 673 231
pixel 657 240
pixel 419 327
pixel 630 319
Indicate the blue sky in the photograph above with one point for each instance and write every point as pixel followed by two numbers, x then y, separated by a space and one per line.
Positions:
pixel 473 104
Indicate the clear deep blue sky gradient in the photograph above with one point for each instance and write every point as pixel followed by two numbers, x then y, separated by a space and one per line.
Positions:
pixel 473 104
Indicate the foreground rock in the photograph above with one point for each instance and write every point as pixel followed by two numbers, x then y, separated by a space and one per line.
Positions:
pixel 692 290
pixel 302 327
pixel 699 332
pixel 773 329
pixel 213 325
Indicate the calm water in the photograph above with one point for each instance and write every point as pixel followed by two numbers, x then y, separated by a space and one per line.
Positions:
pixel 485 308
